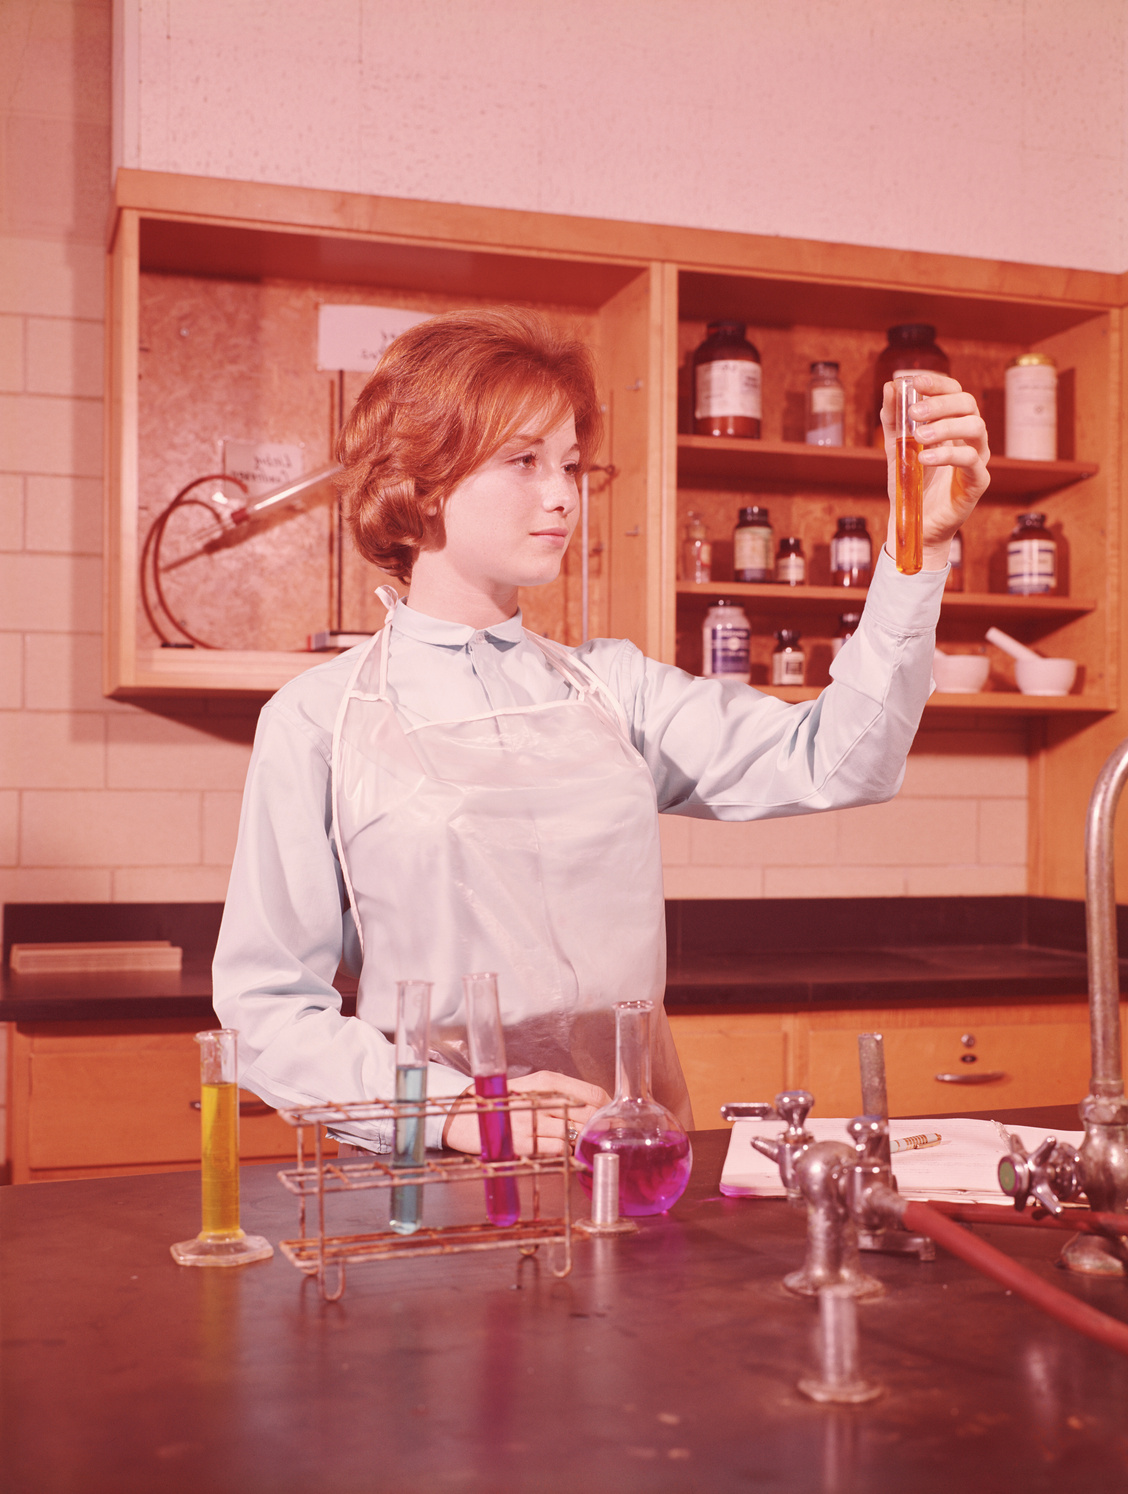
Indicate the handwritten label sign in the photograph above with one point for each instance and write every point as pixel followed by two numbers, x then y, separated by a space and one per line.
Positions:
pixel 263 465
pixel 354 338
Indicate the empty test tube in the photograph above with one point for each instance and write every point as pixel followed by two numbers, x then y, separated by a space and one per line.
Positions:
pixel 838 1378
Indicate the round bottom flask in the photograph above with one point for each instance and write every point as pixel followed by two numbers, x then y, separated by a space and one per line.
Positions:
pixel 655 1157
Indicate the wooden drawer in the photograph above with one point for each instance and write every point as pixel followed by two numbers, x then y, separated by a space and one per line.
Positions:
pixel 1038 1063
pixel 741 1056
pixel 91 1098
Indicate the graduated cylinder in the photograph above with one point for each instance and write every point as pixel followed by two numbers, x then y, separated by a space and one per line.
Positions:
pixel 221 1241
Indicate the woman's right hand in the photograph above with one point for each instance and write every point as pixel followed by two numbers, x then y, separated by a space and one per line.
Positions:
pixel 461 1129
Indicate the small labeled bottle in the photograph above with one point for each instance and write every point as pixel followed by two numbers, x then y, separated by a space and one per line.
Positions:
pixel 847 626
pixel 789 663
pixel 826 406
pixel 726 383
pixel 727 635
pixel 752 558
pixel 697 550
pixel 851 553
pixel 1031 396
pixel 955 581
pixel 1031 557
pixel 911 345
pixel 791 563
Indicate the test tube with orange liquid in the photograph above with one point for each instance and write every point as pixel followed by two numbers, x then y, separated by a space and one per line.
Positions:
pixel 221 1241
pixel 909 491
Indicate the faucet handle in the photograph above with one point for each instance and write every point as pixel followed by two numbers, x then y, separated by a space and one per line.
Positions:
pixel 1039 1174
pixel 867 1133
pixel 793 1106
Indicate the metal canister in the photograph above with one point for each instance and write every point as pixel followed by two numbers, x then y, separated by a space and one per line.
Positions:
pixel 1031 385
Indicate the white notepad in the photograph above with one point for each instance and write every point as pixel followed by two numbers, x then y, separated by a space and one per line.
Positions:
pixel 962 1169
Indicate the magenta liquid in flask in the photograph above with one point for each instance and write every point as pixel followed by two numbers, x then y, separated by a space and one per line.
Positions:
pixel 655 1157
pixel 487 1061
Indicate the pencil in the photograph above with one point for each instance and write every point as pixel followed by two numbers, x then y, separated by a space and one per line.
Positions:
pixel 915 1143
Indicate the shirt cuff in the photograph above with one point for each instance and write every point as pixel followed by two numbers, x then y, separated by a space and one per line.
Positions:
pixel 905 605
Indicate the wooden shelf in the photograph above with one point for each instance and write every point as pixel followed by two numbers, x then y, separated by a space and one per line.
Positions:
pixel 843 599
pixel 732 459
pixel 996 702
pixel 183 671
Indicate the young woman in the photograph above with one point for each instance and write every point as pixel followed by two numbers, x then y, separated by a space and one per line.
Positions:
pixel 462 795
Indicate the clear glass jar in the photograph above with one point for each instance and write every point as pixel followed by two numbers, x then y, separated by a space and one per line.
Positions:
pixel 752 558
pixel 655 1157
pixel 955 581
pixel 911 345
pixel 726 383
pixel 791 563
pixel 847 626
pixel 697 550
pixel 826 406
pixel 1031 398
pixel 1031 557
pixel 851 553
pixel 789 663
pixel 726 643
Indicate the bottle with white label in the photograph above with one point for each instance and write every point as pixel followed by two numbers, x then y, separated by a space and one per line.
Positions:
pixel 826 406
pixel 789 663
pixel 1031 385
pixel 726 383
pixel 851 553
pixel 727 636
pixel 1031 557
pixel 791 563
pixel 752 558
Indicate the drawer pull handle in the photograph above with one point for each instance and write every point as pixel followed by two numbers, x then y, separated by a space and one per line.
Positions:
pixel 971 1076
pixel 246 1107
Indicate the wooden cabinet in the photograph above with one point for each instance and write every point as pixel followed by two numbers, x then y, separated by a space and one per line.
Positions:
pixel 1035 1055
pixel 97 1099
pixel 214 287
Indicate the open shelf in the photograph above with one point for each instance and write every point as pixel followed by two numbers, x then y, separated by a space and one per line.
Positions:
pixel 995 702
pixel 733 459
pixel 835 599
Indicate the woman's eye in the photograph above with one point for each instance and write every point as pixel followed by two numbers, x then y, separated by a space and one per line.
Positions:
pixel 572 469
pixel 527 459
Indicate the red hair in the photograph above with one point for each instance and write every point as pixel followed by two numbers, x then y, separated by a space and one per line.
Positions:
pixel 445 397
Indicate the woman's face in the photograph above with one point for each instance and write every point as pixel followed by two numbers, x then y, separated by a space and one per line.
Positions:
pixel 509 523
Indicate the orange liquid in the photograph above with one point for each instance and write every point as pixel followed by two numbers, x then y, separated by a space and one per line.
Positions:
pixel 219 1126
pixel 909 506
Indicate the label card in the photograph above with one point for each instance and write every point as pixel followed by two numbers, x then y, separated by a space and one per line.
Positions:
pixel 354 338
pixel 263 465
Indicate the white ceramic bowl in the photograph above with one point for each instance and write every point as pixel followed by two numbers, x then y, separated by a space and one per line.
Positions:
pixel 1045 676
pixel 960 674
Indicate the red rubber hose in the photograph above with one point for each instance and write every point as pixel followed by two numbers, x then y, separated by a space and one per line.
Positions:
pixel 1073 1221
pixel 923 1219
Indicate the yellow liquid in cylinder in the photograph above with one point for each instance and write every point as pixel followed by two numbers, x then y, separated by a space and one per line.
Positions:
pixel 219 1134
pixel 909 506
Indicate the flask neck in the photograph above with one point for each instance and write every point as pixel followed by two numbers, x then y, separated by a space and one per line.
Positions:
pixel 632 1050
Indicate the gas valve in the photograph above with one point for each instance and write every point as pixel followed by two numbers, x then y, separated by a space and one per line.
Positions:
pixel 1048 1175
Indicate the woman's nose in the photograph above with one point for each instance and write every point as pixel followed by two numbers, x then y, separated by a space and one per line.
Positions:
pixel 560 493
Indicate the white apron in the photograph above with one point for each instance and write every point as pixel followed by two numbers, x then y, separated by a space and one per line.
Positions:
pixel 523 841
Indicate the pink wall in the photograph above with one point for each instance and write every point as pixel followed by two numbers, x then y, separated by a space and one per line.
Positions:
pixel 992 129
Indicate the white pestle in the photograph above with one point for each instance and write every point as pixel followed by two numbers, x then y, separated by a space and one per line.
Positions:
pixel 1010 645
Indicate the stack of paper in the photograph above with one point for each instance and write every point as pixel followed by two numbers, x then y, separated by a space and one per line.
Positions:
pixel 962 1169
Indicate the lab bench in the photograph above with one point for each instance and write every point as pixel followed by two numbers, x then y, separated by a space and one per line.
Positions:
pixel 762 996
pixel 667 1361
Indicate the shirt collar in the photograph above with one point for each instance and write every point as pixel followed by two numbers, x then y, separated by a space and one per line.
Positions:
pixel 437 630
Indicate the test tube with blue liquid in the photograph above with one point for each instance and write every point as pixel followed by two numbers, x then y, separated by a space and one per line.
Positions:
pixel 413 1036
pixel 487 1062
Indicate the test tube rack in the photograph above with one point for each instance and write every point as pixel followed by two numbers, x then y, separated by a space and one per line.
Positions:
pixel 316 1252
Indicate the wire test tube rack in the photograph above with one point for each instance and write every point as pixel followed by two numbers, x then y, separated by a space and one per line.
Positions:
pixel 314 1178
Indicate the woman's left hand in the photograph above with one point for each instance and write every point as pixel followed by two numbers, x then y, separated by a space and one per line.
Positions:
pixel 954 457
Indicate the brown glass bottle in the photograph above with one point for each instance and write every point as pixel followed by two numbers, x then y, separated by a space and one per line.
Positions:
pixel 726 383
pixel 911 345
